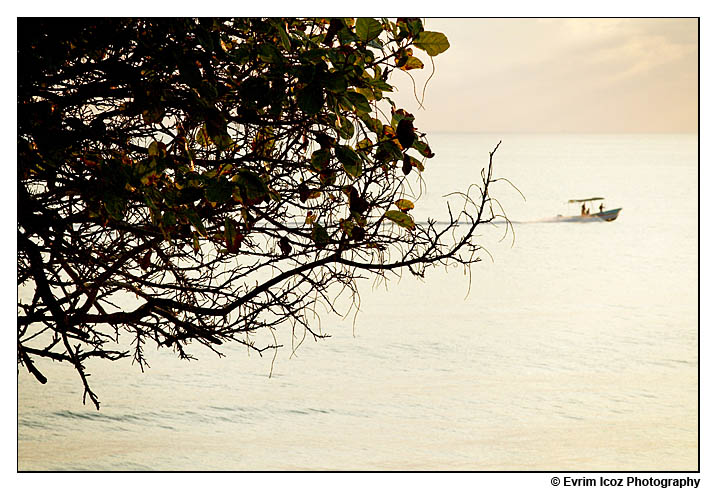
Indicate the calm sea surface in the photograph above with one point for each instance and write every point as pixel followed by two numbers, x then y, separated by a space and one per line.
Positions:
pixel 574 348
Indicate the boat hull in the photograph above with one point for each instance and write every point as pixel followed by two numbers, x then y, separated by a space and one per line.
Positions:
pixel 606 216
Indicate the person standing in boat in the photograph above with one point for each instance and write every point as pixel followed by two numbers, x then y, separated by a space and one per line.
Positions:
pixel 600 208
pixel 583 209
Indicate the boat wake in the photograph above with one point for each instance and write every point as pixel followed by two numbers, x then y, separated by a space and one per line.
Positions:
pixel 501 221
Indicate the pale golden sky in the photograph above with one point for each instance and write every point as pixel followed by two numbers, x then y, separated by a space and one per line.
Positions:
pixel 559 75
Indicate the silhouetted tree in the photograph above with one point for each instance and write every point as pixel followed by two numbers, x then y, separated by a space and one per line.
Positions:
pixel 202 179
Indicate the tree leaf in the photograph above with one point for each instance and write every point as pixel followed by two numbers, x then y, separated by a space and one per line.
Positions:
pixel 249 188
pixel 254 92
pixel 381 85
pixel 368 29
pixel 364 145
pixel 283 35
pixel 389 151
pixel 115 206
pixel 373 124
pixel 311 99
pixel 368 93
pixel 409 25
pixel 405 133
pixel 346 128
pixel 169 219
pixel 232 237
pixel 218 191
pixel 154 149
pixel 413 162
pixel 310 218
pixel 263 143
pixel 404 204
pixel 153 114
pixel 406 165
pixel 349 159
pixel 357 204
pixel 423 148
pixel 320 235
pixel 269 53
pixel 335 82
pixel 304 192
pixel 359 102
pixel 196 222
pixel 202 137
pixel 432 42
pixel 334 26
pixel 357 233
pixel 285 246
pixel 217 131
pixel 401 219
pixel 412 63
pixel 346 225
pixel 320 159
pixel 145 262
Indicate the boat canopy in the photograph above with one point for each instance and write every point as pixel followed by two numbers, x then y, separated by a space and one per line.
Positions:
pixel 583 200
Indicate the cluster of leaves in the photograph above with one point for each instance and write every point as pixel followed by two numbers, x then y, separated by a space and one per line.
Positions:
pixel 218 170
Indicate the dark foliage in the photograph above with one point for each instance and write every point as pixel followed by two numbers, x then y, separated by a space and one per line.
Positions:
pixel 204 180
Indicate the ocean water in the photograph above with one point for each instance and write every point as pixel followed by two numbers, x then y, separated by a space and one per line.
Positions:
pixel 572 346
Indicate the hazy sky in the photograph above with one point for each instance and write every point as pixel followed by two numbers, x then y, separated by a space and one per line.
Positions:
pixel 560 75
